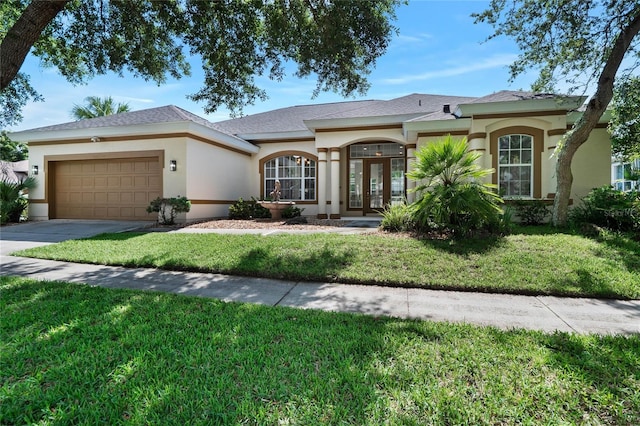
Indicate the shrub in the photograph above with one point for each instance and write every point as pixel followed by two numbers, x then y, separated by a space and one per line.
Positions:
pixel 609 208
pixel 452 194
pixel 13 199
pixel 291 212
pixel 397 218
pixel 531 212
pixel 168 208
pixel 245 210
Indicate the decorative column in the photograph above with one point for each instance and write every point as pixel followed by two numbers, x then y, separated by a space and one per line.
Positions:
pixel 554 136
pixel 335 183
pixel 322 183
pixel 411 184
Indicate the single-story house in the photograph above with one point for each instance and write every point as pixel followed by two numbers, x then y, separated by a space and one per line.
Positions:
pixel 334 160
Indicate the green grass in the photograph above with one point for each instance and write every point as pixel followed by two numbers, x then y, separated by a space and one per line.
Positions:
pixel 74 354
pixel 533 261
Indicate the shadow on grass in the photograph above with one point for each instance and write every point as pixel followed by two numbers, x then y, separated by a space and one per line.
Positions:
pixel 318 264
pixel 465 246
pixel 584 282
pixel 77 354
pixel 625 245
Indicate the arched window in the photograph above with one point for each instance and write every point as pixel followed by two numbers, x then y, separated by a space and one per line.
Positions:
pixel 515 165
pixel 297 176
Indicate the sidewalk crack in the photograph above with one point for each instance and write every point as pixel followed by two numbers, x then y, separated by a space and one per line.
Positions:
pixel 286 294
pixel 556 314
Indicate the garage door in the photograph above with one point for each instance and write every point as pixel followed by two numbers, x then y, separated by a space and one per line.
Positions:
pixel 118 189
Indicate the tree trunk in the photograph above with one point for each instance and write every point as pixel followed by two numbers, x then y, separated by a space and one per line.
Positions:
pixel 23 34
pixel 587 122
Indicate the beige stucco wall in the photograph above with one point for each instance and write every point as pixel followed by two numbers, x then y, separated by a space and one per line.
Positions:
pixel 591 166
pixel 215 177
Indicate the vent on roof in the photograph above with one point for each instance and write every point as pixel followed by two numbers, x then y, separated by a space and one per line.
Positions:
pixel 446 108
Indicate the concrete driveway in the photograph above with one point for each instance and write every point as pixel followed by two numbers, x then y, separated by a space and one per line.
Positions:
pixel 34 234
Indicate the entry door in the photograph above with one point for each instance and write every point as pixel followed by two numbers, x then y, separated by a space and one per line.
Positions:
pixel 376 188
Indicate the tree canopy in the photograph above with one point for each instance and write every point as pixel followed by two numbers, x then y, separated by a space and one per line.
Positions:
pixel 624 125
pixel 11 150
pixel 236 41
pixel 573 43
pixel 96 106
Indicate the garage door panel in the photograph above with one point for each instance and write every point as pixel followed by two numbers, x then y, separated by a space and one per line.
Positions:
pixel 106 189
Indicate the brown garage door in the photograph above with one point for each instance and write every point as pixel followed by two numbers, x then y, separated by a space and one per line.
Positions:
pixel 106 189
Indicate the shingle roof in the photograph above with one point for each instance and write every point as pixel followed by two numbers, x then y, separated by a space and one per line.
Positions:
pixel 163 114
pixel 289 119
pixel 292 118
pixel 511 95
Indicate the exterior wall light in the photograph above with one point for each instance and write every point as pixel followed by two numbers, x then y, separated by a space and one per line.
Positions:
pixel 35 170
pixel 173 165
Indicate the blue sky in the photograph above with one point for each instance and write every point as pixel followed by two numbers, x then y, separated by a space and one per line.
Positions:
pixel 439 50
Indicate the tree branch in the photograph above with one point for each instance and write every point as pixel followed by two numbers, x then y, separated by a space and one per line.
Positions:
pixel 23 34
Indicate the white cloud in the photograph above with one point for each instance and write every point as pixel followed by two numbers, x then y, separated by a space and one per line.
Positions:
pixel 496 61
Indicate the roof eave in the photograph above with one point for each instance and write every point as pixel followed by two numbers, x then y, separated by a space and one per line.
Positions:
pixel 339 123
pixel 412 128
pixel 560 103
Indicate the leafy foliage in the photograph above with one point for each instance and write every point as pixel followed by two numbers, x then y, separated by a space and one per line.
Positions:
pixel 13 199
pixel 14 98
pixel 624 125
pixel 338 41
pixel 98 107
pixel 450 187
pixel 531 212
pixel 245 210
pixel 568 41
pixel 168 208
pixel 609 208
pixel 291 212
pixel 11 150
pixel 397 218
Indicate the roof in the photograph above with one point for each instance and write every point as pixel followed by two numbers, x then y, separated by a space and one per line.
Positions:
pixel 292 119
pixel 163 114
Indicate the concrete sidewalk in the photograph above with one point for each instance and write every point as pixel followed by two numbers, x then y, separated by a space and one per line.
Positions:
pixel 504 311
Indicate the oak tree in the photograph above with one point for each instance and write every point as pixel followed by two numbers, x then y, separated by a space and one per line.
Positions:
pixel 338 41
pixel 574 42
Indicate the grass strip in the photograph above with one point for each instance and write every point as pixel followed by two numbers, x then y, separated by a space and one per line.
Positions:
pixel 74 354
pixel 535 261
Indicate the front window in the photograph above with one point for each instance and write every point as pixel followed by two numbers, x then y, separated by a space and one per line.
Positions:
pixel 515 165
pixel 297 176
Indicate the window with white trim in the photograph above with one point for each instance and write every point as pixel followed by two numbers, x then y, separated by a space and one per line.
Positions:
pixel 515 166
pixel 297 176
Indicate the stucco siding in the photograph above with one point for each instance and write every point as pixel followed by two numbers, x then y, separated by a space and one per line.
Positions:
pixel 591 164
pixel 215 177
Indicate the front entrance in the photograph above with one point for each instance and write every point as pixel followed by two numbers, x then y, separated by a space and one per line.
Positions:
pixel 376 193
pixel 376 179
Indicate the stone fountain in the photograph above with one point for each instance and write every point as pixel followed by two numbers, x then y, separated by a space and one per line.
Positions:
pixel 276 206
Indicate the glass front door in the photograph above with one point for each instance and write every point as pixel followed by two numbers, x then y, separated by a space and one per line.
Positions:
pixel 376 176
pixel 375 193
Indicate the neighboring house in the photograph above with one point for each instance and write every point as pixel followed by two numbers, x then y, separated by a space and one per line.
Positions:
pixel 334 160
pixel 619 173
pixel 14 172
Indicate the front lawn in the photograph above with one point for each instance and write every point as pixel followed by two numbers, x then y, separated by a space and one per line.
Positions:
pixel 74 354
pixel 533 261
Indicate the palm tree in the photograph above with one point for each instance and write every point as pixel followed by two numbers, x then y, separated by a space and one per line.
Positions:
pixel 14 198
pixel 98 107
pixel 452 193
